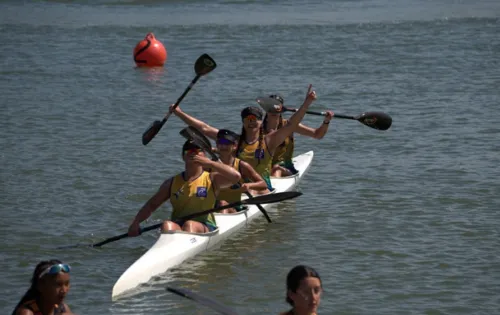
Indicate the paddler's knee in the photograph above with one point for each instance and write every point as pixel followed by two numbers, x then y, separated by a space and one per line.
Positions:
pixel 194 227
pixel 276 170
pixel 222 203
pixel 169 226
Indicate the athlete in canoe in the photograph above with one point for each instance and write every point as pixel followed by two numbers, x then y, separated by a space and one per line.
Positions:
pixel 251 181
pixel 282 158
pixel 194 190
pixel 255 146
pixel 49 287
pixel 304 290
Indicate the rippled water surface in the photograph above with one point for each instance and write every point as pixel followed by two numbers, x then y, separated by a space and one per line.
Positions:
pixel 397 222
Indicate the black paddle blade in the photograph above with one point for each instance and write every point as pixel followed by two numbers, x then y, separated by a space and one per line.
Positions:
pixel 151 132
pixel 193 134
pixel 270 105
pixel 272 198
pixel 204 65
pixel 200 138
pixel 376 120
pixel 216 306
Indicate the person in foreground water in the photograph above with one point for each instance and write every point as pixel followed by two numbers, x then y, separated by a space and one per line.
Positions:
pixel 49 287
pixel 304 290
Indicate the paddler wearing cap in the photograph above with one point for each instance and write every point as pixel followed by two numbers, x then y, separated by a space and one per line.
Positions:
pixel 251 181
pixel 191 191
pixel 282 158
pixel 254 146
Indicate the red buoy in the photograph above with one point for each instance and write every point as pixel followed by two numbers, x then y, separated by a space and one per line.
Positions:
pixel 150 52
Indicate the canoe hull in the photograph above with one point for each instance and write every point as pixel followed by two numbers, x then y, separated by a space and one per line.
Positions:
pixel 174 247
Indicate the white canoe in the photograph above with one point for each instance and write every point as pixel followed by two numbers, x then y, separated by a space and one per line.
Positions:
pixel 172 248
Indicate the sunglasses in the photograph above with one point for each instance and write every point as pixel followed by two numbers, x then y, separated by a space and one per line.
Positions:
pixel 251 118
pixel 192 151
pixel 55 269
pixel 224 141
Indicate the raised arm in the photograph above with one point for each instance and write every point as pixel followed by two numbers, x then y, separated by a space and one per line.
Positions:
pixel 205 128
pixel 162 195
pixel 222 175
pixel 248 172
pixel 317 133
pixel 274 139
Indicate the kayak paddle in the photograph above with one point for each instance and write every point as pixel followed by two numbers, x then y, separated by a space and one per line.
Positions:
pixel 191 133
pixel 270 198
pixel 376 120
pixel 203 65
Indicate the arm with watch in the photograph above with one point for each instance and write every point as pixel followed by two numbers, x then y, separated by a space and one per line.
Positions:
pixel 316 133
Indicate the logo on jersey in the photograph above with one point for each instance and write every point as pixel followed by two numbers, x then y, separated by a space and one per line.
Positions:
pixel 201 192
pixel 259 154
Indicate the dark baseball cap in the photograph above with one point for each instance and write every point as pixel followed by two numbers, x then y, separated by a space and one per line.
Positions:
pixel 189 145
pixel 252 110
pixel 278 97
pixel 228 135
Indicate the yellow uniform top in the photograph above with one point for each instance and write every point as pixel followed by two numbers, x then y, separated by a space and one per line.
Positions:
pixel 192 197
pixel 232 194
pixel 284 152
pixel 260 159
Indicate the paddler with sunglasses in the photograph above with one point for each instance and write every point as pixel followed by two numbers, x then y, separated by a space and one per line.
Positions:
pixel 282 158
pixel 49 287
pixel 191 191
pixel 254 146
pixel 251 181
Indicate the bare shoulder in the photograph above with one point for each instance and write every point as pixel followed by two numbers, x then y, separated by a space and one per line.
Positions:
pixel 167 183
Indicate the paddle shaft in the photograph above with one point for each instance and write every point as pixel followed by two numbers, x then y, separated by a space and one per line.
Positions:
pixel 155 226
pixel 179 100
pixel 216 306
pixel 321 113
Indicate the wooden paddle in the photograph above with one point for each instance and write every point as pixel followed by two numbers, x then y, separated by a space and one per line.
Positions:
pixel 216 306
pixel 376 120
pixel 270 198
pixel 193 134
pixel 203 65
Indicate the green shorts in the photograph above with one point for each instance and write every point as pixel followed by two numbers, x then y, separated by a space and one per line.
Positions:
pixel 267 179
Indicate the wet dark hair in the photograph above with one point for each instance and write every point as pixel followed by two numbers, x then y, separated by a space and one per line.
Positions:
pixel 295 276
pixel 33 293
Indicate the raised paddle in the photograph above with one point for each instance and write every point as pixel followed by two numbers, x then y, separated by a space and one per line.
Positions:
pixel 270 198
pixel 202 66
pixel 376 120
pixel 216 306
pixel 197 137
